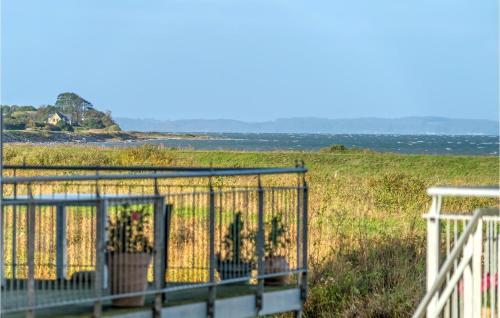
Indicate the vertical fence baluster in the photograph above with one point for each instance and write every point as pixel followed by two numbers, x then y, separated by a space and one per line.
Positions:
pixel 159 258
pixel 468 283
pixel 462 298
pixel 497 278
pixel 486 266
pixel 447 306
pixel 454 308
pixel 100 243
pixel 305 220
pixel 495 270
pixel 2 222
pixel 489 277
pixel 298 243
pixel 14 231
pixel 192 213
pixel 61 244
pixel 166 243
pixel 31 259
pixel 476 268
pixel 2 251
pixel 260 248
pixel 211 229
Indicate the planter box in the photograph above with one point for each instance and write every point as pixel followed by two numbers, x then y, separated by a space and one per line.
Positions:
pixel 276 264
pixel 128 273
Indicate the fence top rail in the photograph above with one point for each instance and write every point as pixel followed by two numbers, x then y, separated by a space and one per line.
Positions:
pixel 466 216
pixel 119 168
pixel 480 191
pixel 78 200
pixel 156 175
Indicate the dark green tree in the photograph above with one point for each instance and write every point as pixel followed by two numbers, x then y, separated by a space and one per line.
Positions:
pixel 73 104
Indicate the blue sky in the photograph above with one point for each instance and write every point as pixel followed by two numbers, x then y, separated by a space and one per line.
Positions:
pixel 255 59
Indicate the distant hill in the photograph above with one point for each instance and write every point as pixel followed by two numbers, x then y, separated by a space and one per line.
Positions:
pixel 405 125
pixel 69 112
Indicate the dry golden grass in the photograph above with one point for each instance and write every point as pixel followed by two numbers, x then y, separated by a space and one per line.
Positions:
pixel 366 234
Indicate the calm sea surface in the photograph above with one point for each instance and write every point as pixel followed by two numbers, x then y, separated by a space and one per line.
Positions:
pixel 416 144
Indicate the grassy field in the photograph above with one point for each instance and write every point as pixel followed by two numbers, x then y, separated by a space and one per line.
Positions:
pixel 367 236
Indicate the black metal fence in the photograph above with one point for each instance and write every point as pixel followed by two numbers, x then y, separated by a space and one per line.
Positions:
pixel 88 234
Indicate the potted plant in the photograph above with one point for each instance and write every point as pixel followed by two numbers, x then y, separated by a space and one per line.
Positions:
pixel 129 253
pixel 274 249
pixel 234 264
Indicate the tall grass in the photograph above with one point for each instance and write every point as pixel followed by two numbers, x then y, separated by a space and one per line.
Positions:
pixel 367 236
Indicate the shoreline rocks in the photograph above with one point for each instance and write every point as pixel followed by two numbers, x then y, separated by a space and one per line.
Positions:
pixel 18 136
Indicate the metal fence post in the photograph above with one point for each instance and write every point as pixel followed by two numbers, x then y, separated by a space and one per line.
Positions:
pixel 299 229
pixel 100 243
pixel 31 255
pixel 260 249
pixel 497 260
pixel 14 231
pixel 166 243
pixel 159 258
pixel 302 215
pixel 61 246
pixel 211 289
pixel 305 202
pixel 2 256
pixel 433 241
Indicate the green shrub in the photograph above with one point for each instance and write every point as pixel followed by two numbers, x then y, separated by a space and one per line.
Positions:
pixel 13 124
pixel 334 148
pixel 113 128
pixel 50 127
pixel 93 123
pixel 65 126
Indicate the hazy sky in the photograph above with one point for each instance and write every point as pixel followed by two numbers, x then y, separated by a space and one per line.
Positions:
pixel 255 59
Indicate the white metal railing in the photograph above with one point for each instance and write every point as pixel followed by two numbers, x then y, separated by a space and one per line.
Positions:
pixel 462 258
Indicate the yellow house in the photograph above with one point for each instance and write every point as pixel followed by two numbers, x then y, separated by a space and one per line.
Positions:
pixel 57 117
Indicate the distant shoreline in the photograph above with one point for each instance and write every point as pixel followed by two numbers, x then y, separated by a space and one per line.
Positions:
pixel 312 125
pixel 91 136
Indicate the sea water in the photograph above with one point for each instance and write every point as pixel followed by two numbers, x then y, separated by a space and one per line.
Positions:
pixel 410 144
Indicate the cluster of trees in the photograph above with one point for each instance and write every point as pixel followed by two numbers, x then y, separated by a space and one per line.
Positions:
pixel 82 113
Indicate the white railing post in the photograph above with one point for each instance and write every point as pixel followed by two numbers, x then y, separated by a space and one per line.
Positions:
pixel 433 241
pixel 468 285
pixel 472 276
pixel 476 269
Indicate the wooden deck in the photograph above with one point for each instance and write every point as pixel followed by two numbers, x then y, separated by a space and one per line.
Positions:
pixel 232 301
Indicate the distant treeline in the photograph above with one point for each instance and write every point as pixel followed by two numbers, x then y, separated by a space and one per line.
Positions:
pixel 76 113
